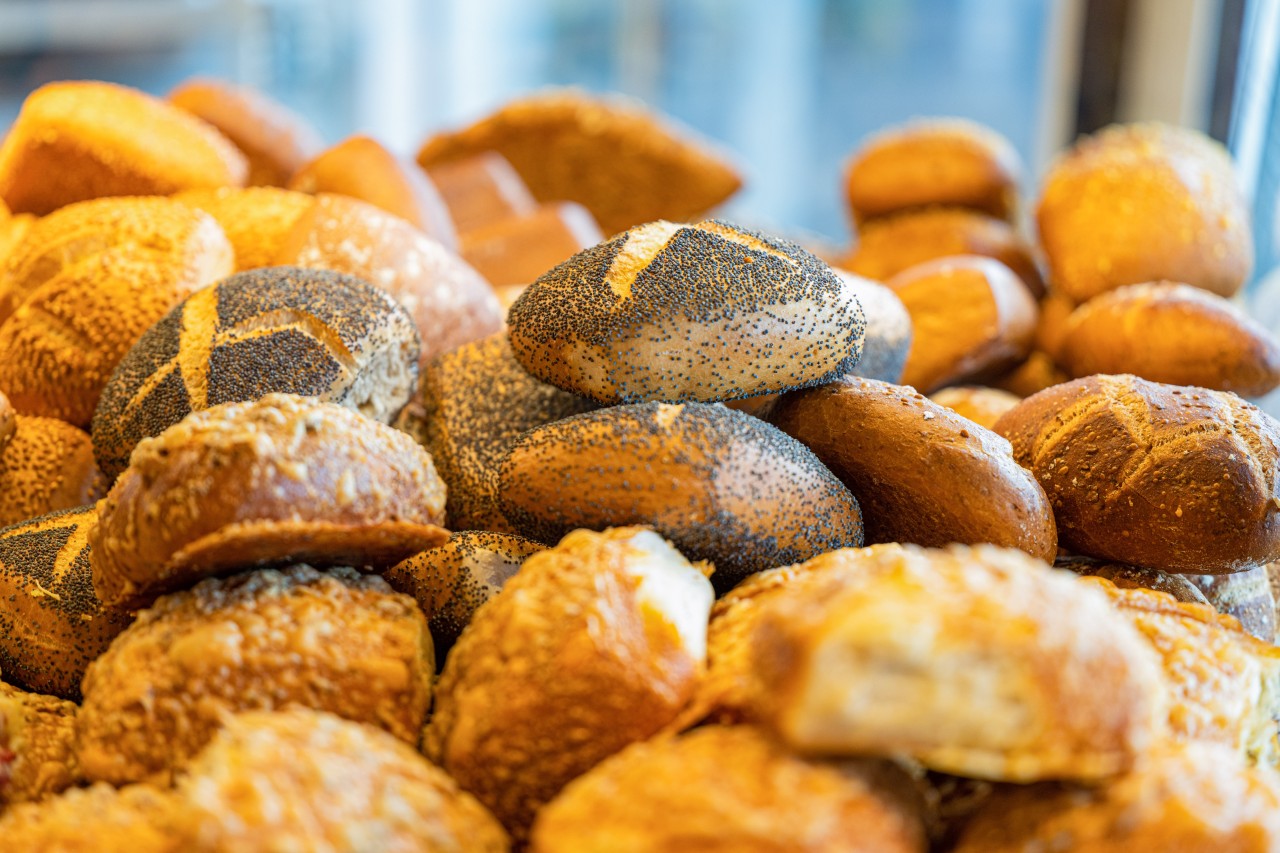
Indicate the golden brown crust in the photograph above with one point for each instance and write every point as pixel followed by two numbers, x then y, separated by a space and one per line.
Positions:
pixel 722 789
pixel 1176 478
pixel 922 473
pixel 983 406
pixel 1246 596
pixel 82 140
pixel 257 220
pixel 334 641
pixel 481 190
pixel 222 490
pixel 610 154
pixel 98 819
pixel 518 250
pixel 39 732
pixel 47 466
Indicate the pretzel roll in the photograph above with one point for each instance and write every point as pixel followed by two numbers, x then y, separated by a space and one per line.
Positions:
pixel 610 154
pixel 451 581
pixel 274 140
pixel 481 190
pixel 477 401
pixel 517 250
pixel 937 161
pixel 921 472
pixel 1175 478
pixel 971 317
pixel 449 302
pixel 670 313
pixel 37 747
pixel 333 641
pixel 278 480
pixel 47 466
pixel 83 140
pixel 1181 587
pixel 720 484
pixel 1144 202
pixel 1244 595
pixel 257 220
pixel 1171 333
pixel 888 337
pixel 281 329
pixel 983 406
pixel 98 819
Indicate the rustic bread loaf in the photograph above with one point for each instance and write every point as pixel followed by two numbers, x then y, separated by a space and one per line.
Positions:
pixel 983 406
pixel 46 466
pixel 257 220
pixel 37 748
pixel 889 331
pixel 481 190
pixel 517 250
pixel 1244 595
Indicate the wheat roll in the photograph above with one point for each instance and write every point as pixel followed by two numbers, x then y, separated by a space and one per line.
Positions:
pixel 37 746
pixel 983 406
pixel 517 250
pixel 82 140
pixel 673 313
pixel 889 330
pixel 1245 596
pixel 481 190
pixel 721 485
pixel 46 466
pixel 256 220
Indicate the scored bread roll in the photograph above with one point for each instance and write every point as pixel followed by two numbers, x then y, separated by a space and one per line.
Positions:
pixel 481 190
pixel 983 406
pixel 100 818
pixel 1244 595
pixel 47 466
pixel 519 249
pixel 889 330
pixel 76 141
pixel 256 220
pixel 37 747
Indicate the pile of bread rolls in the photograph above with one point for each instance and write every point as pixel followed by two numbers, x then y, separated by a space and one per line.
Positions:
pixel 357 504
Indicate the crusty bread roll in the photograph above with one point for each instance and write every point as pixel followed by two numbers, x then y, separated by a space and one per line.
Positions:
pixel 361 167
pixel 888 336
pixel 983 406
pixel 517 250
pixel 670 313
pixel 1176 478
pixel 47 466
pixel 477 400
pixel 274 140
pixel 276 330
pixel 922 473
pixel 257 220
pixel 98 819
pixel 729 788
pixel 1171 333
pixel 37 747
pixel 82 140
pixel 1144 202
pixel 610 154
pixel 333 641
pixel 480 190
pixel 1244 595
pixel 937 161
pixel 592 646
pixel 277 480
pixel 980 662
pixel 720 484
pixel 1035 374
pixel 971 317
pixel 1181 587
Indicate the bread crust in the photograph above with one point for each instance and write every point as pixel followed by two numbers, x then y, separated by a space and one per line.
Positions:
pixel 47 466
pixel 257 220
pixel 97 819
pixel 982 405
pixel 480 190
pixel 1181 587
pixel 39 732
pixel 517 250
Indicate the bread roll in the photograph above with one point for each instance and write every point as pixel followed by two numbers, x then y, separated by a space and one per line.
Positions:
pixel 983 406
pixel 1244 595
pixel 481 190
pixel 47 466
pixel 280 329
pixel 610 154
pixel 82 140
pixel 922 473
pixel 335 641
pixel 1144 202
pixel 361 167
pixel 37 747
pixel 518 250
pixel 12 231
pixel 1055 308
pixel 1175 478
pixel 1035 374
pixel 721 485
pixel 8 422
pixel 1171 333
pixel 274 140
pixel 702 312
pixel 99 819
pixel 257 220
pixel 971 317
pixel 1181 587
pixel 888 336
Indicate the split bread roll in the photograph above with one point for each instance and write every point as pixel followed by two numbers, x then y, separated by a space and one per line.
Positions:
pixel 82 140
pixel 1144 202
pixel 1171 333
pixel 481 190
pixel 889 331
pixel 980 662
pixel 256 220
pixel 983 406
pixel 46 466
pixel 517 250
pixel 1246 595
pixel 97 819
pixel 922 473
pixel 279 480
pixel 592 646
pixel 721 485
pixel 1176 478
pixel 37 748
pixel 672 313
pixel 334 641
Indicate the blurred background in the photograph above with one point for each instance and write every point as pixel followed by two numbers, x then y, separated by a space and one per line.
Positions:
pixel 791 87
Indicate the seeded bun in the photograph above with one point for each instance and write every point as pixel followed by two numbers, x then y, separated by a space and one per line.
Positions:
pixel 983 406
pixel 1181 587
pixel 517 250
pixel 889 331
pixel 82 140
pixel 721 485
pixel 274 140
pixel 674 313
pixel 37 748
pixel 274 481
pixel 1244 595
pixel 47 466
pixel 257 220
pixel 280 329
pixel 481 190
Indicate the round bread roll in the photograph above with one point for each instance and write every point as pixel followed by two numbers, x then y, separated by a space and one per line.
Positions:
pixel 922 473
pixel 1175 478
pixel 1246 596
pixel 278 480
pixel 319 782
pixel 1036 373
pixel 277 330
pixel 98 819
pixel 257 220
pixel 82 140
pixel 729 788
pixel 361 167
pixel 274 140
pixel 971 317
pixel 610 154
pixel 513 252
pixel 937 161
pixel 888 336
pixel 1144 202
pixel 451 581
pixel 720 484
pixel 481 190
pixel 1181 587
pixel 477 401
pixel 449 302
pixel 334 641
pixel 591 646
pixel 37 747
pixel 46 466
pixel 672 313
pixel 1171 333
pixel 983 406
